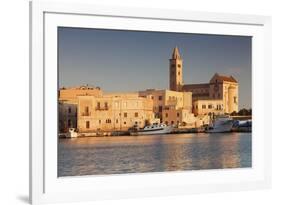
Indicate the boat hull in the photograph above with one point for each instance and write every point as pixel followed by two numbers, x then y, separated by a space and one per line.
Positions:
pixel 165 130
pixel 221 127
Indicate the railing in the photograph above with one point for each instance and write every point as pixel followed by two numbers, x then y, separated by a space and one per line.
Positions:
pixel 86 114
pixel 102 108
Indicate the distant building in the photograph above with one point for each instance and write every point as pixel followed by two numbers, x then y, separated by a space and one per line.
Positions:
pixel 67 116
pixel 219 96
pixel 189 105
pixel 70 94
pixel 113 112
pixel 67 106
pixel 172 107
pixel 176 80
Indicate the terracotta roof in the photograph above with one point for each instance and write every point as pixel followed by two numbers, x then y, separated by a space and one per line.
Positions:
pixel 202 85
pixel 226 78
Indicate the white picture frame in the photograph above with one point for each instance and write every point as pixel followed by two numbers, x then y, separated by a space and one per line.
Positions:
pixel 46 187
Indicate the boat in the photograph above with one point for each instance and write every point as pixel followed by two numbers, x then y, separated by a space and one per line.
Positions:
pixel 71 133
pixel 242 126
pixel 220 124
pixel 155 128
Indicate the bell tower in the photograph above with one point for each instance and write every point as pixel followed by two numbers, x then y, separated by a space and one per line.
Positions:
pixel 176 81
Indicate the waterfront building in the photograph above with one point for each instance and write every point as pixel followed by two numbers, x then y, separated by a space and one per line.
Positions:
pixel 70 94
pixel 189 105
pixel 67 106
pixel 172 107
pixel 218 96
pixel 67 115
pixel 113 112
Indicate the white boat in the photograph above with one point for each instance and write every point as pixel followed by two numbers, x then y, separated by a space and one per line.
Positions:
pixel 71 133
pixel 221 124
pixel 153 129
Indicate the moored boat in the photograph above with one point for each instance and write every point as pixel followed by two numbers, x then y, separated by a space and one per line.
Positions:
pixel 155 128
pixel 71 133
pixel 220 124
pixel 242 126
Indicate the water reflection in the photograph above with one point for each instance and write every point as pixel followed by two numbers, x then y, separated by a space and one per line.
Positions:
pixel 127 154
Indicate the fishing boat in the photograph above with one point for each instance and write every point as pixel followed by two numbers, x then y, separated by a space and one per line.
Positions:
pixel 155 128
pixel 220 124
pixel 242 126
pixel 71 133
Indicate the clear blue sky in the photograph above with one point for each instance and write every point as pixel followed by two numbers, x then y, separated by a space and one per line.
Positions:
pixel 131 61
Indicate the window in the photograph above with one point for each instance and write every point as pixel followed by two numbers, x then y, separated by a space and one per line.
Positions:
pixel 172 122
pixel 125 122
pixel 108 121
pixel 69 123
pixel 125 114
pixel 106 105
pixel 160 98
pixel 87 113
pixel 69 110
pixel 219 95
pixel 179 73
pixel 203 106
pixel 178 114
pixel 235 99
pixel 166 123
pixel 86 109
pixel 87 124
pixel 152 97
pixel 98 105
pixel 160 108
pixel 99 121
pixel 179 65
pixel 117 121
pixel 136 114
pixel 210 106
pixel 166 115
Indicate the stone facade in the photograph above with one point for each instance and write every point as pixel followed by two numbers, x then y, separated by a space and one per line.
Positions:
pixel 67 106
pixel 89 109
pixel 113 112
pixel 176 81
pixel 70 94
pixel 171 107
pixel 67 116
pixel 220 87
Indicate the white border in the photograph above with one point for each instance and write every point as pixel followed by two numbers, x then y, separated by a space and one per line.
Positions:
pixel 46 187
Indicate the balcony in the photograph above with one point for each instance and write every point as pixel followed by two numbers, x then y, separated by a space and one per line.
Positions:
pixel 86 114
pixel 102 108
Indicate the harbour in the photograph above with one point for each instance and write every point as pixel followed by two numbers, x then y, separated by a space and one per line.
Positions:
pixel 153 153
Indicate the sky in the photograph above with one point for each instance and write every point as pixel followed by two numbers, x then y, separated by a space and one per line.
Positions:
pixel 117 60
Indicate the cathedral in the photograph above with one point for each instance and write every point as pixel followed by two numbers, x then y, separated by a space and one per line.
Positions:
pixel 218 96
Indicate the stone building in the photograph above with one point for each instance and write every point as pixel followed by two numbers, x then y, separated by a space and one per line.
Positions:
pixel 171 107
pixel 176 81
pixel 67 116
pixel 113 112
pixel 219 96
pixel 67 105
pixel 89 109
